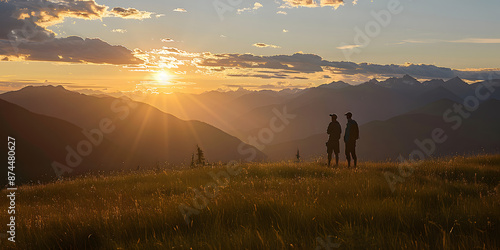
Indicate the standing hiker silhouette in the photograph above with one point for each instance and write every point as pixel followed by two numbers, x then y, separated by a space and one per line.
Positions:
pixel 332 145
pixel 350 137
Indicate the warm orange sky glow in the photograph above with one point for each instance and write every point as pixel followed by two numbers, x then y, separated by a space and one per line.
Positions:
pixel 258 45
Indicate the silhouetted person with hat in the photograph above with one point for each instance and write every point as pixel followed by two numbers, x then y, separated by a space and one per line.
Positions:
pixel 350 137
pixel 332 145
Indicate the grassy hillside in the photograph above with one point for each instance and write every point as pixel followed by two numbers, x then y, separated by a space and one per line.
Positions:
pixel 444 204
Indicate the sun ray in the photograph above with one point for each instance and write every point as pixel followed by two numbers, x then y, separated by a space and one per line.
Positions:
pixel 212 113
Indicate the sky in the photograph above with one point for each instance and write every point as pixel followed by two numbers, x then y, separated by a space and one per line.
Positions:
pixel 201 45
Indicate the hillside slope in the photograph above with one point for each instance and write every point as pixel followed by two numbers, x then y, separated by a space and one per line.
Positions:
pixel 41 140
pixel 145 134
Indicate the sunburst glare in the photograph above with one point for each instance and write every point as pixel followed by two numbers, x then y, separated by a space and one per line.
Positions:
pixel 163 78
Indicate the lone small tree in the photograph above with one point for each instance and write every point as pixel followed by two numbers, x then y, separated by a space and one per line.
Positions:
pixel 200 156
pixel 298 155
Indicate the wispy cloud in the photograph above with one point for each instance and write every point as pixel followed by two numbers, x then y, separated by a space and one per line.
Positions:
pixel 281 12
pixel 279 85
pixel 477 40
pixel 119 31
pixel 180 10
pixel 167 40
pixel 256 6
pixel 464 40
pixel 129 13
pixel 349 46
pixel 312 3
pixel 263 45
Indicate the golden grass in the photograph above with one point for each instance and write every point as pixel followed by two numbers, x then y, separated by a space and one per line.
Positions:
pixel 450 203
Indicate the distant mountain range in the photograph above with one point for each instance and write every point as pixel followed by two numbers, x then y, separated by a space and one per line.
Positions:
pixel 243 113
pixel 135 134
pixel 217 108
pixel 392 114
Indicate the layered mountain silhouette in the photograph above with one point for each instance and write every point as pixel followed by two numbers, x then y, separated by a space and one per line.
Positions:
pixel 244 113
pixel 142 134
pixel 369 101
pixel 217 108
pixel 41 140
pixel 392 114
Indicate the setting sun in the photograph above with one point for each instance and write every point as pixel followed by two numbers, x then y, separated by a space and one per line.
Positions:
pixel 162 78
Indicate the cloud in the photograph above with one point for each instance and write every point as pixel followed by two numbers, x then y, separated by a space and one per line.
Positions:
pixel 24 32
pixel 11 26
pixel 281 12
pixel 288 65
pixel 415 41
pixel 298 66
pixel 29 19
pixel 70 49
pixel 47 13
pixel 256 6
pixel 349 46
pixel 263 45
pixel 465 40
pixel 333 3
pixel 301 3
pixel 311 3
pixel 129 13
pixel 477 40
pixel 180 10
pixel 119 31
pixel 296 63
pixel 280 85
pixel 285 31
pixel 264 76
pixel 167 40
